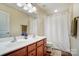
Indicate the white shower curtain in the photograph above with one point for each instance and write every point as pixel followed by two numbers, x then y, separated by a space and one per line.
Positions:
pixel 57 27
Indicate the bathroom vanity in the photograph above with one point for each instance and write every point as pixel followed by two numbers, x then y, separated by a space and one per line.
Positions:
pixel 29 47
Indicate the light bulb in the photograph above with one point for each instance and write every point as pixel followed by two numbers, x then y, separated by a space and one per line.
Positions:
pixel 34 8
pixel 30 11
pixel 20 4
pixel 29 5
pixel 55 10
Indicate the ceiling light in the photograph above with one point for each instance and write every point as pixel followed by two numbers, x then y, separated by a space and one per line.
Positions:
pixel 20 4
pixel 34 8
pixel 55 10
pixel 27 7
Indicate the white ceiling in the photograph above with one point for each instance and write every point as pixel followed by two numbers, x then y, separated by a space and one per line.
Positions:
pixel 49 7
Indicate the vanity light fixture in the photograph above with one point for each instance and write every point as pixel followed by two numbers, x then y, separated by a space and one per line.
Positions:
pixel 27 6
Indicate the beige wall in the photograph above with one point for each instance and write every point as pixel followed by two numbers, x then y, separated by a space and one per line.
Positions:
pixel 41 18
pixel 75 9
pixel 41 15
pixel 17 18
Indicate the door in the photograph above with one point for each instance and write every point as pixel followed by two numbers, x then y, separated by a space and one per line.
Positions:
pixel 4 24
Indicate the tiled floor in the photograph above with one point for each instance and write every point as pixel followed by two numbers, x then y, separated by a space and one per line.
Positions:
pixel 55 52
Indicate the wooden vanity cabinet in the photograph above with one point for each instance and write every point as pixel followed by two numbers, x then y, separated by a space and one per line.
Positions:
pixel 40 50
pixel 35 49
pixel 32 49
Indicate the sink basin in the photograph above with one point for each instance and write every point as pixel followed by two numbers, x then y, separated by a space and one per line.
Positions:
pixel 10 43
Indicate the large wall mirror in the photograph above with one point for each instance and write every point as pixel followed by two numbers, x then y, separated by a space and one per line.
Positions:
pixel 4 24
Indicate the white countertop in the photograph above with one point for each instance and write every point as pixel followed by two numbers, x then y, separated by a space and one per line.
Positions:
pixel 11 46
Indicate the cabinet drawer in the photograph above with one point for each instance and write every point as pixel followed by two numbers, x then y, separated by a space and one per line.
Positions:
pixel 21 52
pixel 33 53
pixel 40 51
pixel 39 43
pixel 31 47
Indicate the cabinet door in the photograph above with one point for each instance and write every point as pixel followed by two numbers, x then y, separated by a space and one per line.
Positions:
pixel 39 43
pixel 21 52
pixel 40 51
pixel 33 53
pixel 31 47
